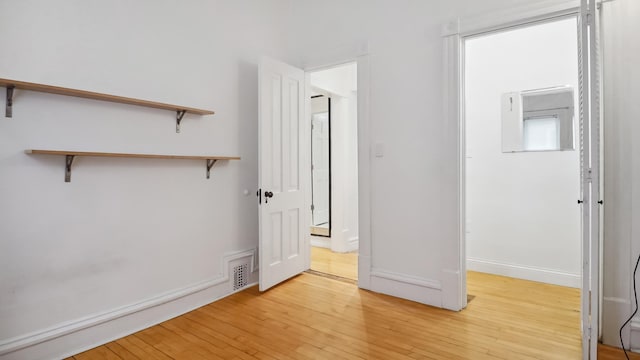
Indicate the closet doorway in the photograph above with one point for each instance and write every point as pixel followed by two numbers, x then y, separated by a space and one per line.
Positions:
pixel 334 171
pixel 521 171
pixel 522 164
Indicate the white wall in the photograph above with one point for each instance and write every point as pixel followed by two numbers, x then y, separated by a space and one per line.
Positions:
pixel 621 54
pixel 522 216
pixel 126 234
pixel 340 83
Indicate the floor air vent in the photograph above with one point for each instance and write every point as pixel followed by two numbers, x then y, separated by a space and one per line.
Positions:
pixel 240 276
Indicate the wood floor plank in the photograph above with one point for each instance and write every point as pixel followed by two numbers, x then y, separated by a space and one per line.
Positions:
pixel 141 349
pixel 213 335
pixel 271 332
pixel 121 351
pixel 318 328
pixel 238 334
pixel 101 352
pixel 221 349
pixel 339 264
pixel 174 345
pixel 611 353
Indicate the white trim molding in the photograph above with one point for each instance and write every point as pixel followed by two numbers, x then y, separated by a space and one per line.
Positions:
pixel 511 16
pixel 615 312
pixel 364 267
pixel 319 241
pixel 634 336
pixel 71 337
pixel 353 243
pixel 407 279
pixel 532 273
pixel 425 291
pixel 452 280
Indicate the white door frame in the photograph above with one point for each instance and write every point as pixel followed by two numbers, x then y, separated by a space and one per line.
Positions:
pixel 591 170
pixel 326 59
pixel 454 34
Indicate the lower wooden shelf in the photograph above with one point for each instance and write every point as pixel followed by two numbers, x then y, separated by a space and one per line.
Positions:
pixel 70 156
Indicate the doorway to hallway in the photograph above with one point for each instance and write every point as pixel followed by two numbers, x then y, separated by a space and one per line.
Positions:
pixel 334 170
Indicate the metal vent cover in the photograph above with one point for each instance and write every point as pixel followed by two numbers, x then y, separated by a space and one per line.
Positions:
pixel 240 276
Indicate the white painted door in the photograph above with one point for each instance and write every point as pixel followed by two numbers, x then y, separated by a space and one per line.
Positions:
pixel 283 173
pixel 590 175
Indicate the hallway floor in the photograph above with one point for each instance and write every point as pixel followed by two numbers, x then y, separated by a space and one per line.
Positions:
pixel 338 264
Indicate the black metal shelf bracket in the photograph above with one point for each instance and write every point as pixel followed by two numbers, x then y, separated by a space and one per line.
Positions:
pixel 67 173
pixel 210 163
pixel 8 112
pixel 179 115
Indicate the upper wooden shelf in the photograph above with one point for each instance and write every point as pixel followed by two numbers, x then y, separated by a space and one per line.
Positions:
pixel 14 84
pixel 127 155
pixel 70 155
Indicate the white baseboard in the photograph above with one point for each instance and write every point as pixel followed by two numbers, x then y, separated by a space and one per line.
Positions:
pixel 319 241
pixel 353 243
pixel 325 242
pixel 425 291
pixel 615 311
pixel 72 337
pixel 634 341
pixel 364 272
pixel 525 272
pixel 452 289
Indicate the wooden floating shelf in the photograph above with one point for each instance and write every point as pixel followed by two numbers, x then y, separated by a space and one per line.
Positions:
pixel 70 156
pixel 146 156
pixel 23 85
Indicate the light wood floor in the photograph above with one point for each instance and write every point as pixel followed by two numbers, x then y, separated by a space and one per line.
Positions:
pixel 313 317
pixel 339 264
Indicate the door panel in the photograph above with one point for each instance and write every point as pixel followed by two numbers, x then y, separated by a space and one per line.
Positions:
pixel 281 177
pixel 293 127
pixel 294 233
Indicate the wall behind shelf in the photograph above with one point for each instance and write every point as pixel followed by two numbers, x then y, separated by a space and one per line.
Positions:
pixel 126 230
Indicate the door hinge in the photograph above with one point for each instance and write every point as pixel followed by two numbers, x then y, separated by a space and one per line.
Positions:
pixel 589 175
pixel 312 207
pixel 587 15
